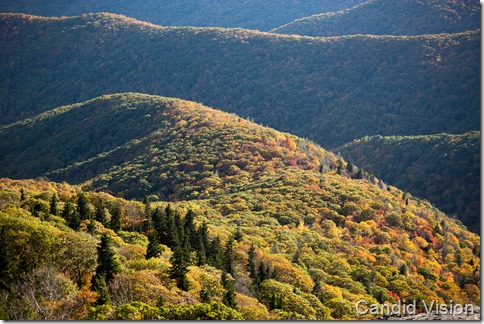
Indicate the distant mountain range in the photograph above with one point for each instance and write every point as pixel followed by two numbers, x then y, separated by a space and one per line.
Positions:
pixel 250 14
pixel 444 168
pixel 389 17
pixel 329 90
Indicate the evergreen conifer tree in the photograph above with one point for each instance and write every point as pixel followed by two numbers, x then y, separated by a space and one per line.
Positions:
pixel 180 262
pixel 229 294
pixel 100 215
pixel 107 267
pixel 252 268
pixel 153 250
pixel 83 206
pixel 53 204
pixel 70 214
pixel 115 223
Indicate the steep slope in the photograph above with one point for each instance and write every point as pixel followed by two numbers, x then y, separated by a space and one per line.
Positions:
pixel 388 17
pixel 134 144
pixel 306 244
pixel 329 90
pixel 445 169
pixel 250 14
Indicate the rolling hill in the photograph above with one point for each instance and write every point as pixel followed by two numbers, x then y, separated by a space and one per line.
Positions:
pixel 330 90
pixel 444 169
pixel 294 236
pixel 250 14
pixel 134 145
pixel 387 17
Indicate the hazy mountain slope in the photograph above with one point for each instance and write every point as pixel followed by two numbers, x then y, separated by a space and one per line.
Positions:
pixel 445 169
pixel 134 144
pixel 388 17
pixel 329 90
pixel 250 14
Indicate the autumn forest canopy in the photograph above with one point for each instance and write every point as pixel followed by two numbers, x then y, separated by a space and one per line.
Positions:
pixel 238 160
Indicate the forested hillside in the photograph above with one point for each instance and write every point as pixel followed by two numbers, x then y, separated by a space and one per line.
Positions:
pixel 250 14
pixel 134 145
pixel 329 90
pixel 389 17
pixel 253 238
pixel 445 169
pixel 170 168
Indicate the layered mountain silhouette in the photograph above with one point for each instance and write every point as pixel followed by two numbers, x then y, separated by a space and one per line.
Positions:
pixel 250 14
pixel 387 17
pixel 329 90
pixel 157 172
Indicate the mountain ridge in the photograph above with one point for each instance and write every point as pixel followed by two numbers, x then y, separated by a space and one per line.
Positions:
pixel 443 168
pixel 301 94
pixel 132 127
pixel 387 17
pixel 245 14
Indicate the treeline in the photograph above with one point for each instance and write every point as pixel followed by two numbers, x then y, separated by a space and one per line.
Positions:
pixel 386 17
pixel 328 90
pixel 250 14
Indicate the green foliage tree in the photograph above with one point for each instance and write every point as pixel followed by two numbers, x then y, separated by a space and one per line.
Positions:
pixel 115 223
pixel 53 209
pixel 108 266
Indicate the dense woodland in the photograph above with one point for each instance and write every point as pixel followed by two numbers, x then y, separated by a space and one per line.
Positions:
pixel 328 90
pixel 389 17
pixel 253 253
pixel 250 14
pixel 124 196
pixel 135 145
pixel 445 169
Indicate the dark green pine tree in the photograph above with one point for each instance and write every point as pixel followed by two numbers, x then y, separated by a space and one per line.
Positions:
pixel 115 223
pixel 180 261
pixel 202 245
pixel 228 257
pixel 229 294
pixel 180 234
pixel 71 215
pixel 83 206
pixel 100 286
pixel 189 230
pixel 153 250
pixel 53 209
pixel 157 218
pixel 252 269
pixel 107 267
pixel 169 235
pixel 263 272
pixel 201 252
pixel 215 255
pixel 100 214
